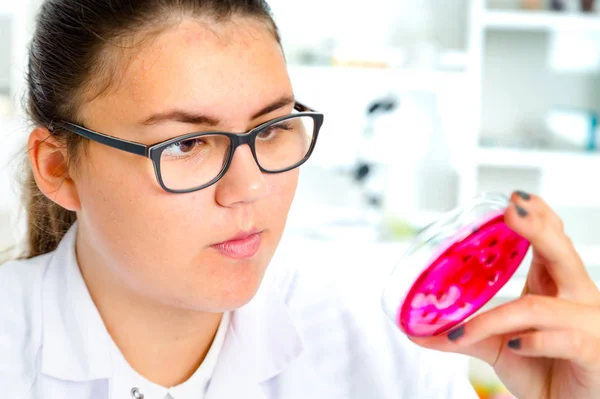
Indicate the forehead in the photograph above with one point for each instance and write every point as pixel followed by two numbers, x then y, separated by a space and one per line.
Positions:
pixel 223 68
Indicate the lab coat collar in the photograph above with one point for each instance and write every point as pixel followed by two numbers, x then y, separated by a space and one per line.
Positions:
pixel 75 340
pixel 262 339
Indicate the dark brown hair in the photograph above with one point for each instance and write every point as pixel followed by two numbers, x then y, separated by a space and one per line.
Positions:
pixel 70 62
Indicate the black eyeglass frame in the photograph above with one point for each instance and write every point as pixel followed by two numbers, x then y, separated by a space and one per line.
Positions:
pixel 154 151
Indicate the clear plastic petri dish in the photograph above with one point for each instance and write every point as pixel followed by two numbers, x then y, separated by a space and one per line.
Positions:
pixel 453 268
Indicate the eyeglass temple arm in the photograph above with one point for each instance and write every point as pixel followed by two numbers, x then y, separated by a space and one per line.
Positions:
pixel 124 145
pixel 302 108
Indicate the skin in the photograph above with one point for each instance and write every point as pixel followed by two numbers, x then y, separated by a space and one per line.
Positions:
pixel 144 253
pixel 556 320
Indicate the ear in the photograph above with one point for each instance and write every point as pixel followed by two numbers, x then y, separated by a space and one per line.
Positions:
pixel 49 162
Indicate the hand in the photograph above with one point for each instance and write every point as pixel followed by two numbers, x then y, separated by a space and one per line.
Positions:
pixel 546 344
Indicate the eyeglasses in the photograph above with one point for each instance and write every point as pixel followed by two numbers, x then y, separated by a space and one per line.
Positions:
pixel 194 161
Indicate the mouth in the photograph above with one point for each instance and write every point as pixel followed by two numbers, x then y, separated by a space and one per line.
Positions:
pixel 243 246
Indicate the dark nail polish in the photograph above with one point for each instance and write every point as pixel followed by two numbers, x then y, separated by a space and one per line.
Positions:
pixel 456 334
pixel 522 212
pixel 515 343
pixel 524 195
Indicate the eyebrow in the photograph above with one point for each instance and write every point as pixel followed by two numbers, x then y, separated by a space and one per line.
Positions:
pixel 196 118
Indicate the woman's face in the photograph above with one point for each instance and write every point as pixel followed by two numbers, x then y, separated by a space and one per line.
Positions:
pixel 165 246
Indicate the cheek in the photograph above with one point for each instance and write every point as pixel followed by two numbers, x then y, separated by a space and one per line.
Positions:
pixel 282 188
pixel 114 185
pixel 131 213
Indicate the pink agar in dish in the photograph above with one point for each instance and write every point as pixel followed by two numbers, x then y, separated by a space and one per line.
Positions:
pixel 462 277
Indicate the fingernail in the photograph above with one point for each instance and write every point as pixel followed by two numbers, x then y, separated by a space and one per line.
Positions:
pixel 456 334
pixel 523 195
pixel 522 212
pixel 515 343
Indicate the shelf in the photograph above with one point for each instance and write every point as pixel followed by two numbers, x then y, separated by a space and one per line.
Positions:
pixel 540 20
pixel 554 175
pixel 537 159
pixel 405 79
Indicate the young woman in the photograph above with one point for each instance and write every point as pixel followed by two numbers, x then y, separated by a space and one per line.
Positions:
pixel 162 166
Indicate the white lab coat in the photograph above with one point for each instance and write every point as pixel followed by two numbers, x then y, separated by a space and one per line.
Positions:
pixel 304 335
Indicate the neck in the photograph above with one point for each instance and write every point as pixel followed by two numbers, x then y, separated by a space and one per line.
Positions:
pixel 164 344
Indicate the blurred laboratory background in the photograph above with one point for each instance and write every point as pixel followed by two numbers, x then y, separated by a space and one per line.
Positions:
pixel 427 104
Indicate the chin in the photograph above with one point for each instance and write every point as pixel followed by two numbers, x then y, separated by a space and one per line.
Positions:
pixel 239 291
pixel 228 288
pixel 239 281
pixel 238 301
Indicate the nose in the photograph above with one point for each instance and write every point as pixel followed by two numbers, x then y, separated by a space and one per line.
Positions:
pixel 243 182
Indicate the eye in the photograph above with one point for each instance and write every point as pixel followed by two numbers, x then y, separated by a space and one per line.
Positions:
pixel 183 148
pixel 272 131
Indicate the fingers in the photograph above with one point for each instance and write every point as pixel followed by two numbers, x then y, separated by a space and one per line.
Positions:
pixel 574 345
pixel 529 313
pixel 534 204
pixel 485 335
pixel 487 350
pixel 533 219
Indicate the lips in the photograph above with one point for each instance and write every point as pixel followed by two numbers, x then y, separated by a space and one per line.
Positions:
pixel 243 246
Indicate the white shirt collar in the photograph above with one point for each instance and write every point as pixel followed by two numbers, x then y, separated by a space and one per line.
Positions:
pixel 200 380
pixel 260 342
pixel 124 378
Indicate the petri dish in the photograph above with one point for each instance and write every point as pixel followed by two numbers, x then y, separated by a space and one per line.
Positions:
pixel 453 268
